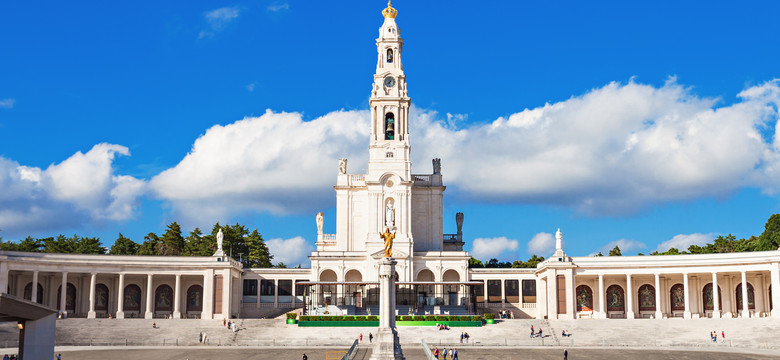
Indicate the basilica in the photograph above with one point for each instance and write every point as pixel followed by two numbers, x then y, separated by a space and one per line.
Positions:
pixel 432 273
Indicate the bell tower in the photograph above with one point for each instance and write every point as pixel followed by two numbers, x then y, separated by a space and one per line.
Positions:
pixel 389 102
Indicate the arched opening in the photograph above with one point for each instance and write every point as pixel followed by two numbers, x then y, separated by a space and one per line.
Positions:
pixel 70 298
pixel 426 293
pixel 646 296
pixel 327 293
pixel 616 299
pixel 132 301
pixel 709 303
pixel 353 292
pixel 163 298
pixel 389 55
pixel 389 126
pixel 28 293
pixel 584 298
pixel 750 296
pixel 451 291
pixel 101 297
pixel 195 298
pixel 677 297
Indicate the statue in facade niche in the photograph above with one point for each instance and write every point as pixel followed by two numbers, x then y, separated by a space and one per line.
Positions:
pixel 342 166
pixel 390 214
pixel 320 220
pixel 437 166
pixel 220 238
pixel 388 238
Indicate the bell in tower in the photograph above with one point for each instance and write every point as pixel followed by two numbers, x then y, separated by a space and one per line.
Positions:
pixel 389 126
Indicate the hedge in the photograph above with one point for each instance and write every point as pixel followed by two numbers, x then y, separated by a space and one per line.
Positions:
pixel 397 318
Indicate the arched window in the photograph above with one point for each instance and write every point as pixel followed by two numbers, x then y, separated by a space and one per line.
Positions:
pixel 389 55
pixel 584 298
pixel 677 297
pixel 28 293
pixel 751 297
pixel 646 297
pixel 389 126
pixel 195 298
pixel 615 298
pixel 132 298
pixel 70 299
pixel 708 299
pixel 101 297
pixel 163 298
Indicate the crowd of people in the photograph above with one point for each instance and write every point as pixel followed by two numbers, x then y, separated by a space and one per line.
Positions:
pixel 453 354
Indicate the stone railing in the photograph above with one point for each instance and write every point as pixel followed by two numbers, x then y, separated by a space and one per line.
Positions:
pixel 451 238
pixel 421 180
pixel 328 237
pixel 357 180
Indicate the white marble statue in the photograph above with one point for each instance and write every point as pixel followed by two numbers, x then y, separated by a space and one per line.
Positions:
pixel 390 215
pixel 342 166
pixel 220 237
pixel 558 240
pixel 320 220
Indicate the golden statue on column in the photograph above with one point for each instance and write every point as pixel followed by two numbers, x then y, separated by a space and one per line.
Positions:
pixel 388 238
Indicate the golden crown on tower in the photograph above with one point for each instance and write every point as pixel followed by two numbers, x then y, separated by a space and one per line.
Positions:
pixel 389 12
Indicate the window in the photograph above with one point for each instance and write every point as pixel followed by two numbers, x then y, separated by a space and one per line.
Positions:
pixel 512 291
pixel 250 287
pixel 300 290
pixel 479 291
pixel 494 291
pixel 285 288
pixel 266 288
pixel 529 291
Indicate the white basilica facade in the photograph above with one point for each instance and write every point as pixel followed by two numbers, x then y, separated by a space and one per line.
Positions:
pixel 432 271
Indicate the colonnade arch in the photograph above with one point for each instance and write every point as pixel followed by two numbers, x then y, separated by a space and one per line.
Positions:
pixel 28 293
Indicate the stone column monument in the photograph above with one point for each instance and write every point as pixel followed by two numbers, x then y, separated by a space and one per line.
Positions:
pixel 386 346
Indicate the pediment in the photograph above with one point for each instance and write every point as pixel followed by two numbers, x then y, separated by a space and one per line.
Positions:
pixel 396 254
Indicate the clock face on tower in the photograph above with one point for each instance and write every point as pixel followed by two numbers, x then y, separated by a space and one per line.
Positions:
pixel 389 81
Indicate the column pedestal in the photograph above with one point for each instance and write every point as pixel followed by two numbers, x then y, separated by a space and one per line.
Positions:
pixel 386 345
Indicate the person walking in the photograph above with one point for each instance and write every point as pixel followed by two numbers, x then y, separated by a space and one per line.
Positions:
pixel 361 338
pixel 445 353
pixel 454 354
pixel 461 337
pixel 565 354
pixel 436 352
pixel 304 357
pixel 370 338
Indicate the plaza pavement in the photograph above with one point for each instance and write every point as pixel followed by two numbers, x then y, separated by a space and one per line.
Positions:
pixel 755 334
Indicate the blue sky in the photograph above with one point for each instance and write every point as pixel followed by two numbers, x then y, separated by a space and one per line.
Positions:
pixel 647 123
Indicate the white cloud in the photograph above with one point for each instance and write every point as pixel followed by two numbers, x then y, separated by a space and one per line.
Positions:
pixel 613 150
pixel 275 7
pixel 488 248
pixel 683 241
pixel 7 103
pixel 218 19
pixel 625 246
pixel 276 162
pixel 542 244
pixel 81 189
pixel 291 251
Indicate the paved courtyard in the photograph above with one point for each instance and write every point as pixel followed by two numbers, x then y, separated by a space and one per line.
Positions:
pixel 411 353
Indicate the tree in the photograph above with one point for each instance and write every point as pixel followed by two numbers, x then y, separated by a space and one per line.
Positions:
pixel 171 243
pixel 149 246
pixel 259 255
pixel 615 251
pixel 124 246
pixel 29 244
pixel 770 238
pixel 88 245
pixel 474 263
pixel 531 263
pixel 195 244
pixel 280 265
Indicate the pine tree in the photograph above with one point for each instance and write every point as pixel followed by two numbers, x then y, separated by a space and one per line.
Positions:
pixel 124 246
pixel 149 246
pixel 172 242
pixel 259 255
